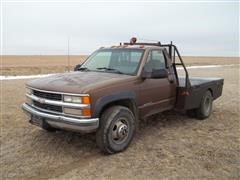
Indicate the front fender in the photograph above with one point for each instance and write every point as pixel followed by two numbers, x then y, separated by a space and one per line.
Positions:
pixel 103 101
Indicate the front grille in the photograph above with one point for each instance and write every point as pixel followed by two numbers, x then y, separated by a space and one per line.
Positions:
pixel 47 95
pixel 48 106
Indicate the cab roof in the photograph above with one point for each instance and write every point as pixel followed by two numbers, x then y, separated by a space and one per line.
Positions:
pixel 132 47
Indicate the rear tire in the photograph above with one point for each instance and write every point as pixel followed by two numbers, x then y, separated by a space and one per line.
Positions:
pixel 116 129
pixel 205 108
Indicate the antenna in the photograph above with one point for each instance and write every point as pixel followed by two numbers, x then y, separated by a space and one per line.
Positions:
pixel 68 59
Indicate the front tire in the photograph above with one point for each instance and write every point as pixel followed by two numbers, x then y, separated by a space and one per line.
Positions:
pixel 116 129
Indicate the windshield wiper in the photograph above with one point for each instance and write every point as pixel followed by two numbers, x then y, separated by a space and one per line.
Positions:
pixel 110 69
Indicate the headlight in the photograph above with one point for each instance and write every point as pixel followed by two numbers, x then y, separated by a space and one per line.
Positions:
pixel 28 91
pixel 78 112
pixel 73 99
pixel 72 111
pixel 77 99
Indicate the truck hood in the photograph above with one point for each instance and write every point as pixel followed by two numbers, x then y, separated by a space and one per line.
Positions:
pixel 78 82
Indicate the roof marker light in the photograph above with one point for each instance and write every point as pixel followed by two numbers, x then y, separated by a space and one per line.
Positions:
pixel 133 40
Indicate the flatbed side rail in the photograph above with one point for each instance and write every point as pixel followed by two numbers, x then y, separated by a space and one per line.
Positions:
pixel 172 51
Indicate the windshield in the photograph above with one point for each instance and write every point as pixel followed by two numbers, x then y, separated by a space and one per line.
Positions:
pixel 124 61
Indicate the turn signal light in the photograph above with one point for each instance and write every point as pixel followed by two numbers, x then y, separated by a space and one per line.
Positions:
pixel 86 112
pixel 86 100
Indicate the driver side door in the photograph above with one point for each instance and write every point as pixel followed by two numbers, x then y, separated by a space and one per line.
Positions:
pixel 156 94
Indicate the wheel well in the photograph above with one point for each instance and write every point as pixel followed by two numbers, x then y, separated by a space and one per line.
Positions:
pixel 130 104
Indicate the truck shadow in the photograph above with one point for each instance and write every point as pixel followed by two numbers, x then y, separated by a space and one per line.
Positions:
pixel 167 118
pixel 72 143
pixel 162 121
pixel 64 142
pixel 74 150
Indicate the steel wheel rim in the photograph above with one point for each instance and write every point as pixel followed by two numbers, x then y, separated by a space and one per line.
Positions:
pixel 120 130
pixel 207 105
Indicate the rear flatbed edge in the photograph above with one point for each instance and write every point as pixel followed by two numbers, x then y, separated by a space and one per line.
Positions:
pixel 190 97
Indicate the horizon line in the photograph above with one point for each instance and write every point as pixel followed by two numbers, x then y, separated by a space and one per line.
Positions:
pixel 216 56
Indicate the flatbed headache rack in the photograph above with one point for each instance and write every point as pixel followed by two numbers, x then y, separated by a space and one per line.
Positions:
pixel 172 51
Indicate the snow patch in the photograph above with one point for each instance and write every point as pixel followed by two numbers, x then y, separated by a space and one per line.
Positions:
pixel 2 78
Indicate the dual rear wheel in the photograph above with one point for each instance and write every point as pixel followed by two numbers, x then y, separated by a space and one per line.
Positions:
pixel 205 108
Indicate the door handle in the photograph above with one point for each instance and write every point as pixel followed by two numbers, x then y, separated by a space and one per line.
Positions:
pixel 170 77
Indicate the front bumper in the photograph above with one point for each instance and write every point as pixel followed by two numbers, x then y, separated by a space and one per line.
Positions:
pixel 63 122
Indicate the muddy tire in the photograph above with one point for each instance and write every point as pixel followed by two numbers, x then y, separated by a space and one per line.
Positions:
pixel 205 108
pixel 116 129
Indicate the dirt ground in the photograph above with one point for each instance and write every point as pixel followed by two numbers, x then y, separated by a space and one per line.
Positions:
pixel 25 65
pixel 169 145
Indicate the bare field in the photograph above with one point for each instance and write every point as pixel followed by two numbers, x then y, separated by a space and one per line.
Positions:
pixel 168 145
pixel 26 65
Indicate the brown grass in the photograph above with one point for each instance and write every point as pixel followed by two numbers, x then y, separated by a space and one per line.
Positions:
pixel 25 65
pixel 167 146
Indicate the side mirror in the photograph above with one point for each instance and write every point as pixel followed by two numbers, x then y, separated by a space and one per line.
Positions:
pixel 77 67
pixel 159 73
pixel 155 74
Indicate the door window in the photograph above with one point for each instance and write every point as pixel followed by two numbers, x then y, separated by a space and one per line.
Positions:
pixel 155 60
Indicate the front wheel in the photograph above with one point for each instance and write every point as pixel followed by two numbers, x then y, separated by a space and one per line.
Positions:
pixel 116 130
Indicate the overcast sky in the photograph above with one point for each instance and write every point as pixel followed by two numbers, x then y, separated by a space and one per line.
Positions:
pixel 39 28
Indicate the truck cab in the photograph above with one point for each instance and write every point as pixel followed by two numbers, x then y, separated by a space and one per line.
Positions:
pixel 116 87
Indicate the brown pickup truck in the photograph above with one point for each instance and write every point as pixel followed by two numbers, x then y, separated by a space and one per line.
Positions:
pixel 114 88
